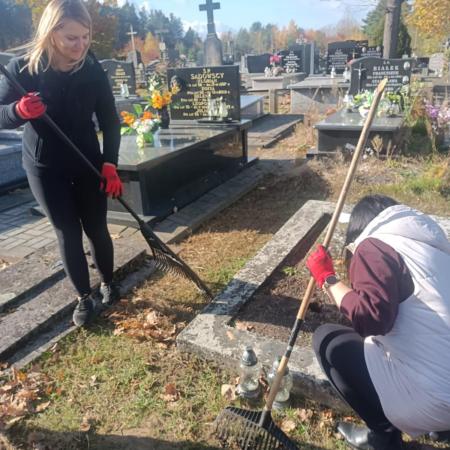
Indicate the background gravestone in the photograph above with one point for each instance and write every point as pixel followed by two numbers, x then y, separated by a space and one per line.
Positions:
pixel 437 62
pixel 341 52
pixel 372 52
pixel 292 60
pixel 257 63
pixel 119 72
pixel 366 73
pixel 198 84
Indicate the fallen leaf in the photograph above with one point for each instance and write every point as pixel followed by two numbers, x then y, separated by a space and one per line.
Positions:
pixel 228 392
pixel 42 406
pixel 171 393
pixel 305 414
pixel 11 422
pixel 230 335
pixel 288 425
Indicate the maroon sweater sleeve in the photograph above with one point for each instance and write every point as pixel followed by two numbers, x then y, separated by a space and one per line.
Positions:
pixel 380 282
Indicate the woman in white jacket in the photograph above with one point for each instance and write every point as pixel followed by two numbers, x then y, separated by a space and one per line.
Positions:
pixel 392 366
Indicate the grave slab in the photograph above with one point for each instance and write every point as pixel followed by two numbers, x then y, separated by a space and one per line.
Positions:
pixel 212 334
pixel 186 161
pixel 317 94
pixel 342 128
pixel 280 82
pixel 268 130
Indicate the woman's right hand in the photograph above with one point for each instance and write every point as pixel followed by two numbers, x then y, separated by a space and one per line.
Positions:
pixel 30 106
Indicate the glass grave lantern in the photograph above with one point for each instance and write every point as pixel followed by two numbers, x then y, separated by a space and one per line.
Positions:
pixel 249 372
pixel 282 399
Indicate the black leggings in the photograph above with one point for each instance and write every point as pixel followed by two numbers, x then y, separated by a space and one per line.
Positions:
pixel 340 351
pixel 72 205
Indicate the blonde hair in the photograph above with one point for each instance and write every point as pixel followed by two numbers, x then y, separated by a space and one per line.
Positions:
pixel 51 20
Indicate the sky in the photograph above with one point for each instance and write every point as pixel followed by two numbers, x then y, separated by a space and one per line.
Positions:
pixel 234 14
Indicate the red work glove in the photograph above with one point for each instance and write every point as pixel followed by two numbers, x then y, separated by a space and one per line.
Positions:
pixel 320 265
pixel 30 106
pixel 111 184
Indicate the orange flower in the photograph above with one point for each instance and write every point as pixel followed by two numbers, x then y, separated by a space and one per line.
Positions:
pixel 128 118
pixel 157 100
pixel 147 115
pixel 167 98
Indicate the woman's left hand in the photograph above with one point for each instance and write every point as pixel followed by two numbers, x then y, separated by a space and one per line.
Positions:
pixel 320 265
pixel 112 184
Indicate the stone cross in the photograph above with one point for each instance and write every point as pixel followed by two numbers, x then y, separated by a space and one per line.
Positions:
pixel 132 33
pixel 209 7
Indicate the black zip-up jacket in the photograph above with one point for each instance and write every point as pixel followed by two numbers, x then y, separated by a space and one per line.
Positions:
pixel 71 99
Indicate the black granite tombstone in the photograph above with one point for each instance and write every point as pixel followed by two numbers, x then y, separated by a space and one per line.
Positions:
pixel 200 84
pixel 374 52
pixel 120 72
pixel 257 63
pixel 293 60
pixel 366 73
pixel 341 52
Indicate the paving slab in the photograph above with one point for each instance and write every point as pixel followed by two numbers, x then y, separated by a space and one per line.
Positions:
pixel 212 334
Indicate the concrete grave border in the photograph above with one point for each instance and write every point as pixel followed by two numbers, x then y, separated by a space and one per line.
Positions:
pixel 212 335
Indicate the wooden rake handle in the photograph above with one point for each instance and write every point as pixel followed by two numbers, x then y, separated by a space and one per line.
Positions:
pixel 330 231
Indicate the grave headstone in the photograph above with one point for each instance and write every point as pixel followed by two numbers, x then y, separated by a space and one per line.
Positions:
pixel 374 52
pixel 341 52
pixel 257 63
pixel 118 73
pixel 293 60
pixel 199 85
pixel 366 73
pixel 437 62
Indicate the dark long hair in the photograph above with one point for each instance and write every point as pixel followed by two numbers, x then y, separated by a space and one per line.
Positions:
pixel 363 213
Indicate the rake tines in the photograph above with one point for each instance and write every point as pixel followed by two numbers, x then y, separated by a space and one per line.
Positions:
pixel 240 428
pixel 167 261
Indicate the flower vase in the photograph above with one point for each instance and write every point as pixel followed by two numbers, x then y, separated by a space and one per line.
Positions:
pixel 144 139
pixel 165 118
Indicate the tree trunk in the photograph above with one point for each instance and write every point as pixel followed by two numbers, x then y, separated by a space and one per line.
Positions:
pixel 391 28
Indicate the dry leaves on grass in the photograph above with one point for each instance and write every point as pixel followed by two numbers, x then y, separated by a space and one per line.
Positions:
pixel 21 394
pixel 171 393
pixel 144 324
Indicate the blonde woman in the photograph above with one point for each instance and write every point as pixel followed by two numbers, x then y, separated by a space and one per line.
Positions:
pixel 64 79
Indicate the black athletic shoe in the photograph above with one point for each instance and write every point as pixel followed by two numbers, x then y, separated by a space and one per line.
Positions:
pixel 109 293
pixel 84 311
pixel 363 438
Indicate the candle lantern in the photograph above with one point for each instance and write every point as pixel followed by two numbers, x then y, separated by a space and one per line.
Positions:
pixel 249 371
pixel 282 399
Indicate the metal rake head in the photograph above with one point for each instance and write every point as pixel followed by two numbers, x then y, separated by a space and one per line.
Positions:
pixel 167 261
pixel 240 428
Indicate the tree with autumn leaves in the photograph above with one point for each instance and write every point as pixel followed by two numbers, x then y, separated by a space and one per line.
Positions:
pixel 430 21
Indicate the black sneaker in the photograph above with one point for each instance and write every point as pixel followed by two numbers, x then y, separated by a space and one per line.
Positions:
pixel 84 311
pixel 109 293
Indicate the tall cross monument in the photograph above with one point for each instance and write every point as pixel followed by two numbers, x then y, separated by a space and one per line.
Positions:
pixel 134 58
pixel 213 45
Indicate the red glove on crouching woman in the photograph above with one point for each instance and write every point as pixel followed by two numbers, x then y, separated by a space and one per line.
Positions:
pixel 320 265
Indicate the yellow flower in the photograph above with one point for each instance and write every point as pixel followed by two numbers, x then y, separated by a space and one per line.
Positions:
pixel 147 115
pixel 128 118
pixel 167 98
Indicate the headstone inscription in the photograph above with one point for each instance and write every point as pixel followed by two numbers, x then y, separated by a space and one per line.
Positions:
pixel 437 62
pixel 292 60
pixel 375 52
pixel 120 73
pixel 366 73
pixel 341 52
pixel 200 86
pixel 257 63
